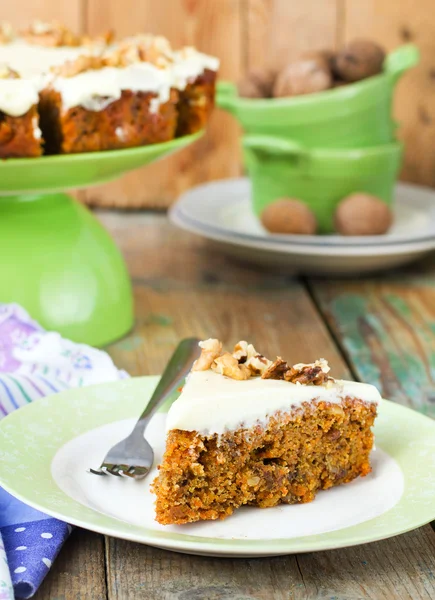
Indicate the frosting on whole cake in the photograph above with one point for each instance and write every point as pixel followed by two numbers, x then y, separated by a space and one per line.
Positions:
pixel 142 63
pixel 213 403
pixel 17 96
pixel 96 89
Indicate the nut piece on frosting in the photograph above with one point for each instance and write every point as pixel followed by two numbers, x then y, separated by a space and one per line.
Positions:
pixel 230 366
pixel 153 49
pixel 82 63
pixel 6 33
pixel 52 34
pixel 305 374
pixel 7 73
pixel 210 350
pixel 246 362
pixel 246 354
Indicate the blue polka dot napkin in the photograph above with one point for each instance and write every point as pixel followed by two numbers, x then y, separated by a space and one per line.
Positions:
pixel 35 363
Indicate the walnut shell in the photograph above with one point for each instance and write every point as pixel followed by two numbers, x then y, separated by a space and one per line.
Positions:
pixel 362 214
pixel 288 215
pixel 305 76
pixel 359 59
pixel 257 84
pixel 326 54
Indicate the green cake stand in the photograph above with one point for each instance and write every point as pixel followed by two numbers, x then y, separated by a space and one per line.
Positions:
pixel 56 259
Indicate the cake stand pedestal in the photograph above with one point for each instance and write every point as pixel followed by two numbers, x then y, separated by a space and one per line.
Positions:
pixel 56 259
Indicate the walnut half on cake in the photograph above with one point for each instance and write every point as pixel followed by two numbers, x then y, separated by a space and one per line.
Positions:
pixel 248 430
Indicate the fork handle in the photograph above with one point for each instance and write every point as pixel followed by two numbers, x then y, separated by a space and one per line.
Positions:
pixel 176 370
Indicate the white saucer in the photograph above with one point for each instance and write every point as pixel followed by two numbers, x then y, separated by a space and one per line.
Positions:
pixel 221 211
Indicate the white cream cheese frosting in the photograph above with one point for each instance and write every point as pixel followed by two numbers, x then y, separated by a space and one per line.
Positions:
pixel 96 89
pixel 189 64
pixel 30 60
pixel 211 403
pixel 17 96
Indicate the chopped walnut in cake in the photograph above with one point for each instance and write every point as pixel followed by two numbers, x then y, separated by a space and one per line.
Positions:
pixel 7 73
pixel 6 33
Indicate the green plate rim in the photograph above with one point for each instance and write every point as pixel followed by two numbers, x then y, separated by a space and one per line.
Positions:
pixel 63 159
pixel 51 422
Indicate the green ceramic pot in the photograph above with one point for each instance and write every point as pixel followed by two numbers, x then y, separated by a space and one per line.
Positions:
pixel 321 178
pixel 351 116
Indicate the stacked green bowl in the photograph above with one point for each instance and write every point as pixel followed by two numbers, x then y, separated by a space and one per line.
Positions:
pixel 323 146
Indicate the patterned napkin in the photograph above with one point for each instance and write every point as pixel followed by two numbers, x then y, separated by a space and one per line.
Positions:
pixel 35 363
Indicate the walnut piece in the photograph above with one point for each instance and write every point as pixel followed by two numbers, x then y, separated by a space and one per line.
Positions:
pixel 246 362
pixel 210 350
pixel 230 367
pixel 6 33
pixel 315 373
pixel 276 370
pixel 52 34
pixel 305 374
pixel 83 63
pixel 7 73
pixel 142 48
pixel 246 354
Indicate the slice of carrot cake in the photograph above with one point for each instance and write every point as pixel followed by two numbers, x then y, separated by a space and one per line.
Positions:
pixel 250 431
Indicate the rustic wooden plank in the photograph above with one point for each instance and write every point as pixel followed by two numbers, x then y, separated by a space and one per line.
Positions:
pixel 396 569
pixel 200 293
pixel 401 568
pixel 392 24
pixel 188 288
pixel 214 28
pixel 386 327
pixel 20 12
pixel 279 30
pixel 78 572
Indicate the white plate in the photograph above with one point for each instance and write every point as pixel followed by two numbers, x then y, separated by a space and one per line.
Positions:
pixel 221 211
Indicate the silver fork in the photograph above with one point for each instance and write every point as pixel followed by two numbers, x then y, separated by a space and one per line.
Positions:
pixel 133 456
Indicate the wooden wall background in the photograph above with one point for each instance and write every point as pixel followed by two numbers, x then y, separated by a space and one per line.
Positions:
pixel 246 33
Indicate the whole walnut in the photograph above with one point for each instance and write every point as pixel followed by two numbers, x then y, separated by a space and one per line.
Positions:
pixel 304 76
pixel 289 215
pixel 362 214
pixel 326 54
pixel 359 59
pixel 257 84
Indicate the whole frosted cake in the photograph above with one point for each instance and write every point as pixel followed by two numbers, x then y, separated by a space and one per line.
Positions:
pixel 248 430
pixel 63 93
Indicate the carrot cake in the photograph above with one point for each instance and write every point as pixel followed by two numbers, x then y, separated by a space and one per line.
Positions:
pixel 20 135
pixel 95 94
pixel 90 106
pixel 250 431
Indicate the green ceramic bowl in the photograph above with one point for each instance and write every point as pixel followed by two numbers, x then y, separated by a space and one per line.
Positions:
pixel 56 259
pixel 352 116
pixel 280 168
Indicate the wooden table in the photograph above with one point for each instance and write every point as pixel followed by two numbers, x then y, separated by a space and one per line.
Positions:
pixel 380 330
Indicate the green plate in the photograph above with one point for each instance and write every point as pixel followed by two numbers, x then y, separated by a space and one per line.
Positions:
pixel 39 447
pixel 62 172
